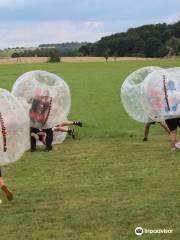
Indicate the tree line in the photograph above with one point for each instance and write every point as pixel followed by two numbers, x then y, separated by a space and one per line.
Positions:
pixel 155 40
pixel 47 50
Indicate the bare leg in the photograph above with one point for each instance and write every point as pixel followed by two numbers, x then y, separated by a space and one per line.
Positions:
pixel 1 179
pixel 173 139
pixel 5 189
pixel 60 129
pixel 164 125
pixel 69 123
pixel 70 131
pixel 146 131
pixel 66 123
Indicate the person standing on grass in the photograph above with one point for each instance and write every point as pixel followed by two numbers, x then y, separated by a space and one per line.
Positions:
pixel 5 189
pixel 39 111
pixel 173 124
pixel 148 125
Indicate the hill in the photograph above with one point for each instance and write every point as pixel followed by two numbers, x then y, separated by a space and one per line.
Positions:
pixel 65 49
pixel 156 40
pixel 43 50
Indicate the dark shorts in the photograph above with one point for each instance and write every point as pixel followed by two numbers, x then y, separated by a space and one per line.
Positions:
pixel 173 123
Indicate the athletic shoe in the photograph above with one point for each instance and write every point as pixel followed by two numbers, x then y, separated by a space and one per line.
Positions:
pixel 7 192
pixel 48 150
pixel 177 145
pixel 144 139
pixel 71 132
pixel 78 123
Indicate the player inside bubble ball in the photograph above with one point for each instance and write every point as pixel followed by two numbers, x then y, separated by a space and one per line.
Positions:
pixel 39 113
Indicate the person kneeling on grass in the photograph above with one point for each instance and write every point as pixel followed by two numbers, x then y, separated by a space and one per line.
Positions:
pixel 61 127
pixel 5 189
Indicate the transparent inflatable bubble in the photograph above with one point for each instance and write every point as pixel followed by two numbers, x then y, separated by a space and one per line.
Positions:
pixel 160 94
pixel 48 95
pixel 14 133
pixel 131 93
pixel 59 137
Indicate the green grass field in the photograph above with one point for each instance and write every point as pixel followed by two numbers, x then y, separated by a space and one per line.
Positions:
pixel 105 183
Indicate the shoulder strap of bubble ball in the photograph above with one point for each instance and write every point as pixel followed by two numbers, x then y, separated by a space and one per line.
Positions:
pixel 165 92
pixel 4 133
pixel 49 110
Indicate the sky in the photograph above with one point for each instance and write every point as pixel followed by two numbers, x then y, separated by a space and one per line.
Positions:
pixel 29 23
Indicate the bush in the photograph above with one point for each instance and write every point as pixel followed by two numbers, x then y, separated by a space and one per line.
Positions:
pixel 54 55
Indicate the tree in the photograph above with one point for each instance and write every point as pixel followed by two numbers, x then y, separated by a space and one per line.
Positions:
pixel 176 29
pixel 15 55
pixel 155 48
pixel 174 43
pixel 53 55
pixel 139 46
pixel 170 52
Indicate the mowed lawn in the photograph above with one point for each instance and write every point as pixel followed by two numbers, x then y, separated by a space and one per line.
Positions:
pixel 105 183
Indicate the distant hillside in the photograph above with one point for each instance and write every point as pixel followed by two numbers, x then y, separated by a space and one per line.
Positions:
pixel 156 40
pixel 46 50
pixel 8 52
pixel 65 49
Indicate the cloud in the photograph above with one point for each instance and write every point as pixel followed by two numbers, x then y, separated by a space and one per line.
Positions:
pixel 172 18
pixel 35 33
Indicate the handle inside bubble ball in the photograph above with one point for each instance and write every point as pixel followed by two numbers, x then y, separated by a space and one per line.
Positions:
pixel 4 133
pixel 165 93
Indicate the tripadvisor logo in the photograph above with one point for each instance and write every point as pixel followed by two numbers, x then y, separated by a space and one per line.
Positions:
pixel 139 231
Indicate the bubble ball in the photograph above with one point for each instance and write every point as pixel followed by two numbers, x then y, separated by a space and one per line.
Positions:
pixel 59 137
pixel 14 133
pixel 161 94
pixel 48 95
pixel 131 93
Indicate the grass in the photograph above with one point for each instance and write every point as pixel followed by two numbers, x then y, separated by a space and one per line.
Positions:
pixel 105 183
